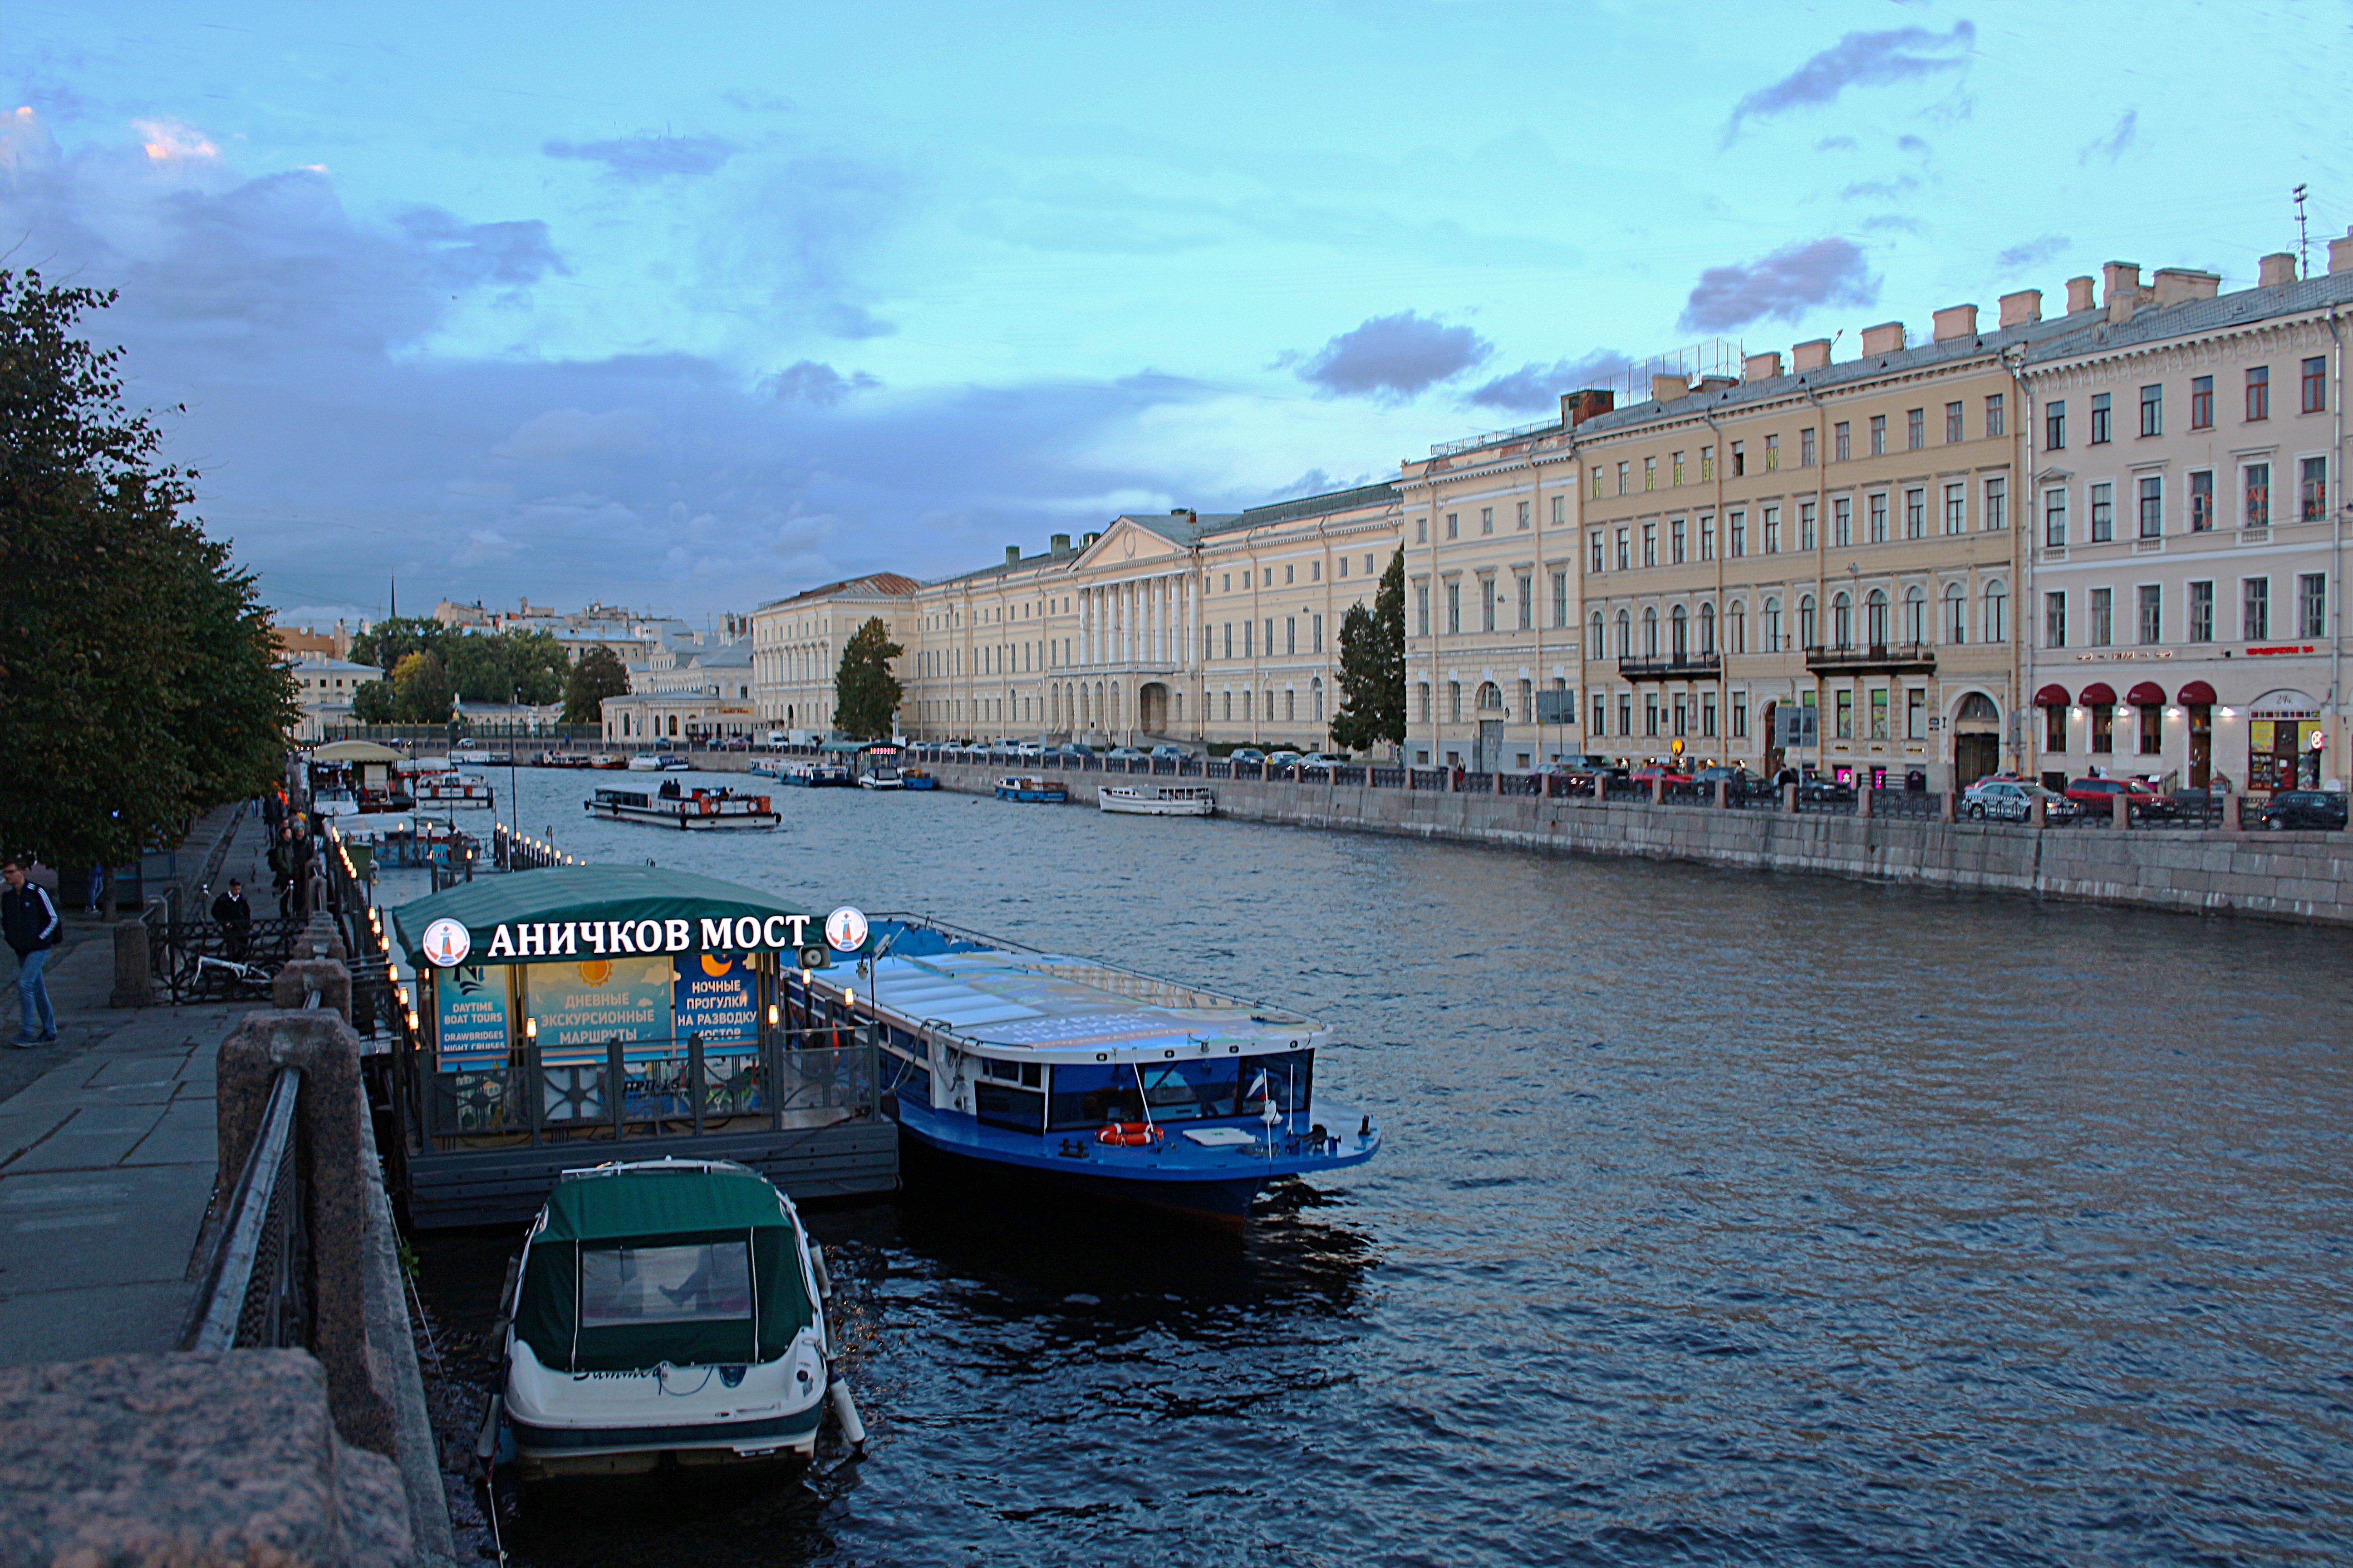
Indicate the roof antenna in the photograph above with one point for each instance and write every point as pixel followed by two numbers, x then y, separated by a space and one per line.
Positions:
pixel 2302 241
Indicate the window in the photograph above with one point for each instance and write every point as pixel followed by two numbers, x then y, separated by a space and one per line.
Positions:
pixel 1676 463
pixel 1650 713
pixel 2202 612
pixel 1625 635
pixel 1738 530
pixel 1622 550
pixel 1845 730
pixel 1675 541
pixel 1707 538
pixel 2054 620
pixel 1650 633
pixel 1878 533
pixel 2104 512
pixel 1560 601
pixel 1344 566
pixel 1842 442
pixel 2312 490
pixel 2257 510
pixel 1527 701
pixel 1805 448
pixel 1772 454
pixel 2201 501
pixel 1879 713
pixel 1425 624
pixel 2202 402
pixel 2152 504
pixel 1772 626
pixel 1420 536
pixel 1246 639
pixel 1650 473
pixel 1994 417
pixel 1916 429
pixel 1736 628
pixel 1486 603
pixel 1805 524
pixel 1650 544
pixel 1596 471
pixel 1315 627
pixel 1454 701
pixel 1740 459
pixel 2311 604
pixel 2255 609
pixel 1956 615
pixel 1270 577
pixel 1454 609
pixel 2152 410
pixel 2104 603
pixel 1486 520
pixel 1421 615
pixel 2315 386
pixel 1525 515
pixel 1952 423
pixel 1916 615
pixel 1269 637
pixel 2054 427
pixel 1559 510
pixel 1996 614
pixel 1601 716
pixel 1874 619
pixel 1625 713
pixel 2258 393
pixel 1843 621
pixel 1593 554
pixel 1772 531
pixel 2054 729
pixel 1916 514
pixel 1878 435
pixel 1706 463
pixel 2104 727
pixel 2055 519
pixel 1809 627
pixel 2148 615
pixel 1527 603
pixel 1708 714
pixel 1707 628
pixel 2101 430
pixel 1916 714
pixel 1453 525
pixel 1956 508
pixel 2152 729
pixel 1594 632
pixel 1679 634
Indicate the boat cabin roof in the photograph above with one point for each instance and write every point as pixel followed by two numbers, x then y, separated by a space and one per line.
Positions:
pixel 660 1198
pixel 993 995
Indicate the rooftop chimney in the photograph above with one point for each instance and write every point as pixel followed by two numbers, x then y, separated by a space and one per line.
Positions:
pixel 1058 546
pixel 2340 253
pixel 1814 353
pixel 1013 555
pixel 2023 307
pixel 1760 367
pixel 2174 284
pixel 1957 322
pixel 1886 338
pixel 1588 402
pixel 2121 279
pixel 2081 294
pixel 2276 268
pixel 1667 388
pixel 1087 538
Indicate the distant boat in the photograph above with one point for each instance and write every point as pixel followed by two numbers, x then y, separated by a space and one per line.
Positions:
pixel 608 761
pixel 562 760
pixel 661 763
pixel 916 778
pixel 1157 800
pixel 700 810
pixel 813 775
pixel 442 791
pixel 1025 787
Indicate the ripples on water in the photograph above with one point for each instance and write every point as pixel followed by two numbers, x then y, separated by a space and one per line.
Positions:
pixel 1723 1219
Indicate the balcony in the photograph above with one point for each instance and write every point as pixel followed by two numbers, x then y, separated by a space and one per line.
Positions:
pixel 1879 658
pixel 1671 667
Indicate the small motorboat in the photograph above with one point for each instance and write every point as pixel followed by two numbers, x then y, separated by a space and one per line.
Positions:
pixel 1157 800
pixel 917 778
pixel 881 776
pixel 666 1313
pixel 661 763
pixel 608 762
pixel 1029 787
pixel 562 760
pixel 697 810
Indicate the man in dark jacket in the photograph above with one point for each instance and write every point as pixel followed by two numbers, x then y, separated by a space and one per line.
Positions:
pixel 234 917
pixel 30 918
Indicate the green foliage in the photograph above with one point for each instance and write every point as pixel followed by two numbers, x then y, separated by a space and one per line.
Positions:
pixel 374 704
pixel 138 679
pixel 386 643
pixel 865 693
pixel 1372 668
pixel 420 690
pixel 596 675
pixel 536 668
pixel 498 667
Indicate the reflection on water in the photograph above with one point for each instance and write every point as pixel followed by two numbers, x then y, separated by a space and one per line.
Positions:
pixel 1722 1217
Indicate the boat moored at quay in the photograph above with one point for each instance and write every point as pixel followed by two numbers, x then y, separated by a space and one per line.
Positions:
pixel 1156 800
pixel 694 811
pixel 1095 1077
pixel 1027 787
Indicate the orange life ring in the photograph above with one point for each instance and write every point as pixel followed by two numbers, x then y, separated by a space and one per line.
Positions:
pixel 1129 1134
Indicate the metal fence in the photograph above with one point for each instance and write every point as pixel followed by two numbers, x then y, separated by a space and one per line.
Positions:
pixel 257 1291
pixel 207 960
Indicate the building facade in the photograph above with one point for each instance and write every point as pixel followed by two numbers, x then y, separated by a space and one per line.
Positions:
pixel 796 645
pixel 2188 532
pixel 323 687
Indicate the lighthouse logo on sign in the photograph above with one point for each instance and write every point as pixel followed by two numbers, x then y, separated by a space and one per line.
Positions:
pixel 845 929
pixel 447 943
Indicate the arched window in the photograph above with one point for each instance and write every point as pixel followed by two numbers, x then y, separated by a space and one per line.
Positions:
pixel 1956 615
pixel 1707 628
pixel 1491 698
pixel 1996 614
pixel 1875 618
pixel 1976 708
pixel 1772 626
pixel 1454 701
pixel 1842 621
pixel 1735 628
pixel 1316 691
pixel 1625 635
pixel 1650 632
pixel 1916 615
pixel 1598 647
pixel 1679 633
pixel 1425 701
pixel 1808 631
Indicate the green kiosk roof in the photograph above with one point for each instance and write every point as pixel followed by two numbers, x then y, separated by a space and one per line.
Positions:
pixel 589 893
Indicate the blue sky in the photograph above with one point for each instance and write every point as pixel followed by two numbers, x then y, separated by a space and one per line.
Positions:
pixel 688 307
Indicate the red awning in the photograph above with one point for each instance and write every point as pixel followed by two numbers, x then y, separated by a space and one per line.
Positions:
pixel 2099 694
pixel 2051 697
pixel 2147 694
pixel 2198 692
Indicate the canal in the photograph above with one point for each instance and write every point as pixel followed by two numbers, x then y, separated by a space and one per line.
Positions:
pixel 1723 1219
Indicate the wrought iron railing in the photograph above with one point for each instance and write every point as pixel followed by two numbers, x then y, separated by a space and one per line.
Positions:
pixel 256 1292
pixel 207 960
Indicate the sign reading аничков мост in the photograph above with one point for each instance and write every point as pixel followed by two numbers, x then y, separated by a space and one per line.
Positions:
pixel 606 939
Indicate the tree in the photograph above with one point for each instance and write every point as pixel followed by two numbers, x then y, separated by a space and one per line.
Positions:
pixel 374 704
pixel 477 667
pixel 420 689
pixel 865 692
pixel 137 674
pixel 536 667
pixel 596 674
pixel 1372 666
pixel 386 643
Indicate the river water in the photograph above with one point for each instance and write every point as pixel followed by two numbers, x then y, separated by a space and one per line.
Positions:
pixel 1723 1219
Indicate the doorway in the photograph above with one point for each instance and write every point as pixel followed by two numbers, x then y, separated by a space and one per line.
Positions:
pixel 1977 740
pixel 1490 755
pixel 1152 709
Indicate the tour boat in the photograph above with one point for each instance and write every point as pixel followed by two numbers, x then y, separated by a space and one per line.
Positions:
pixel 1157 800
pixel 667 1311
pixel 1025 787
pixel 608 762
pixel 661 763
pixel 882 775
pixel 1078 1073
pixel 440 792
pixel 813 775
pixel 698 810
pixel 563 760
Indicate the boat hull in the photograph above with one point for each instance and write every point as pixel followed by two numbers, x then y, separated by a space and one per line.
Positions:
pixel 1148 805
pixel 548 1453
pixel 691 822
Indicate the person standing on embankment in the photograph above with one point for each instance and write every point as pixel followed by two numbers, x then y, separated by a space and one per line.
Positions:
pixel 30 920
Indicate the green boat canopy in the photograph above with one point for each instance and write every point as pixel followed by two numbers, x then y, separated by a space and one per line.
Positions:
pixel 585 896
pixel 695 1264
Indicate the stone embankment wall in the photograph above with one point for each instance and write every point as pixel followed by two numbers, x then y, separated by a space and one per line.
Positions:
pixel 2303 877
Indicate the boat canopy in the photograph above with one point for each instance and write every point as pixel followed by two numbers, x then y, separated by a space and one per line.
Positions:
pixel 582 894
pixel 357 751
pixel 690 1262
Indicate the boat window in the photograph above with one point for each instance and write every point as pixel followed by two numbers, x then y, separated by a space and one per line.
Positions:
pixel 1289 1075
pixel 1188 1090
pixel 703 1281
pixel 998 1106
pixel 1090 1095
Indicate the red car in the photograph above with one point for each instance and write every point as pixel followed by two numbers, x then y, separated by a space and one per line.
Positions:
pixel 2098 797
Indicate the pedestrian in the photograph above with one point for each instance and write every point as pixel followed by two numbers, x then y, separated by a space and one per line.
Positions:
pixel 282 870
pixel 29 918
pixel 234 917
pixel 97 887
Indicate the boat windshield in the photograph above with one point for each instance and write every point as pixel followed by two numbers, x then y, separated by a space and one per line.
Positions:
pixel 702 1282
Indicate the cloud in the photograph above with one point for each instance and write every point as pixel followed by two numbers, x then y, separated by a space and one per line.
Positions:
pixel 465 254
pixel 1882 190
pixel 818 384
pixel 2113 145
pixel 1858 59
pixel 1534 387
pixel 1835 144
pixel 1783 285
pixel 561 433
pixel 2033 251
pixel 1893 222
pixel 1911 144
pixel 1394 357
pixel 648 155
pixel 168 141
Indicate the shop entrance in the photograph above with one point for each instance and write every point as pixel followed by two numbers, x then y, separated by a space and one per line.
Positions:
pixel 2280 727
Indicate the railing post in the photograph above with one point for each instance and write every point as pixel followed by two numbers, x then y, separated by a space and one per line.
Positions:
pixel 1789 797
pixel 2036 817
pixel 1659 789
pixel 694 1084
pixel 2232 818
pixel 1945 809
pixel 2120 812
pixel 534 1080
pixel 615 1084
pixel 1722 794
pixel 1600 788
pixel 1862 793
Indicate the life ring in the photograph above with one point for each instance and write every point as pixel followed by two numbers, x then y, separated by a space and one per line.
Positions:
pixel 1129 1134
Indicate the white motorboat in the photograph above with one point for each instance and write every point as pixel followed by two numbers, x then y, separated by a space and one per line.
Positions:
pixel 881 776
pixel 443 791
pixel 667 1310
pixel 1157 800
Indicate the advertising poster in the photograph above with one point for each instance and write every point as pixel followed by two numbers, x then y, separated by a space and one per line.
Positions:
pixel 471 1008
pixel 581 1006
pixel 717 996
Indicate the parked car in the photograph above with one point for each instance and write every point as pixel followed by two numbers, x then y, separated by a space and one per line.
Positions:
pixel 1124 754
pixel 1283 759
pixel 1815 790
pixel 1644 775
pixel 1250 755
pixel 1075 749
pixel 1164 752
pixel 1739 784
pixel 2100 795
pixel 1320 763
pixel 2305 808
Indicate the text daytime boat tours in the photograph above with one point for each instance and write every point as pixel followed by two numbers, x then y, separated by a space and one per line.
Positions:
pixel 695 811
pixel 1098 1077
pixel 1156 800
